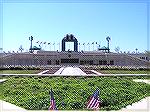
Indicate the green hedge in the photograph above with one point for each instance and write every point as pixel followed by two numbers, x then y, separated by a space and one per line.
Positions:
pixel 20 68
pixel 72 93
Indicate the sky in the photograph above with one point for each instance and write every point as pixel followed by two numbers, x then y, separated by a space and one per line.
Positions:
pixel 126 23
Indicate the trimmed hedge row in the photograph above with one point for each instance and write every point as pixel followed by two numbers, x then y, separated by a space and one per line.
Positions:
pixel 87 67
pixel 20 68
pixel 72 93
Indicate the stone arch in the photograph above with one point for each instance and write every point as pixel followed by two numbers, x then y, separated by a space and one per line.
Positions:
pixel 70 38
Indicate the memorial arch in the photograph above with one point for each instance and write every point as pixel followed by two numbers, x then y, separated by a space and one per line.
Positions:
pixel 69 38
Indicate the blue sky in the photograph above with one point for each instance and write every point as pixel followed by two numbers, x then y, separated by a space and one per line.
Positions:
pixel 125 23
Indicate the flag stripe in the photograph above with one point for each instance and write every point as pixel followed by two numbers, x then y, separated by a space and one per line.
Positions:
pixel 89 105
pixel 97 105
pixel 94 101
pixel 89 101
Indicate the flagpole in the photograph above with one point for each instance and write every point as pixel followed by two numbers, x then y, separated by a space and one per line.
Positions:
pixel 79 46
pixel 96 46
pixel 54 46
pixel 59 46
pixel 52 101
pixel 89 46
pixel 84 46
pixel 93 46
pixel 49 45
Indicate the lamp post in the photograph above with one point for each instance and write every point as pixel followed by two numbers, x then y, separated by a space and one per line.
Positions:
pixel 31 39
pixel 108 39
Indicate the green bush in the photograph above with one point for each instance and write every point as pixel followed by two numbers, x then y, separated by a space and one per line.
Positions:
pixel 72 93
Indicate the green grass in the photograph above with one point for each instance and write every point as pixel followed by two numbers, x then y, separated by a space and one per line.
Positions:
pixel 124 71
pixel 33 92
pixel 19 71
pixel 101 71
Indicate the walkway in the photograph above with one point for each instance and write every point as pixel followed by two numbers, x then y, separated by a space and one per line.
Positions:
pixel 5 106
pixel 70 71
pixel 142 105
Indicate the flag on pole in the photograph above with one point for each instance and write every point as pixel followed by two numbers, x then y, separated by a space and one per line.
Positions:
pixel 37 42
pixel 44 43
pixel 83 43
pixel 48 43
pixel 92 42
pixel 52 102
pixel 94 101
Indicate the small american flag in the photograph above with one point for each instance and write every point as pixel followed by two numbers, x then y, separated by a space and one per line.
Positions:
pixel 52 102
pixel 94 101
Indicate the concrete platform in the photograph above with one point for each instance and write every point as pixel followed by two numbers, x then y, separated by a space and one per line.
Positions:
pixel 2 80
pixel 142 80
pixel 5 106
pixel 142 105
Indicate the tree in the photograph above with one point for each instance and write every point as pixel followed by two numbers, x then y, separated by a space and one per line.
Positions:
pixel 136 50
pixel 147 52
pixel 117 49
pixel 21 48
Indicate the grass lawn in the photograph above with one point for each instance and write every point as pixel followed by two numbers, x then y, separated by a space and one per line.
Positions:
pixel 19 71
pixel 124 71
pixel 101 71
pixel 72 93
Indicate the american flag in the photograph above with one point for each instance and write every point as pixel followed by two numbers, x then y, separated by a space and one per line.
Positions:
pixel 52 102
pixel 94 101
